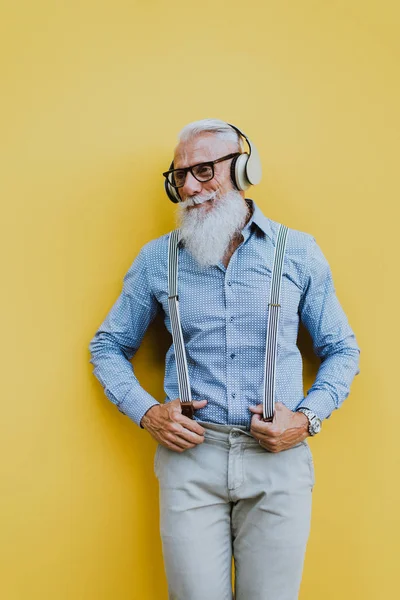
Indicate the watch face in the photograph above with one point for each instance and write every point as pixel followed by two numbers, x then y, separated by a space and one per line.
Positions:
pixel 314 421
pixel 316 426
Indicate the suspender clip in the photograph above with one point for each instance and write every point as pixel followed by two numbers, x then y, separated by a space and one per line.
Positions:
pixel 187 409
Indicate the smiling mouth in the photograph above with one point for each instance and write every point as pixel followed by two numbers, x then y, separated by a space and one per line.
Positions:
pixel 198 203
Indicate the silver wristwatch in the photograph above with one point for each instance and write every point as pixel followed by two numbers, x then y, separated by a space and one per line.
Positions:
pixel 314 422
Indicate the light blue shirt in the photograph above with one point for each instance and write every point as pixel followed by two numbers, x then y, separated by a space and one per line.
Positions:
pixel 224 321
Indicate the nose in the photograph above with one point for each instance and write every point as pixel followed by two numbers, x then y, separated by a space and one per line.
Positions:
pixel 191 187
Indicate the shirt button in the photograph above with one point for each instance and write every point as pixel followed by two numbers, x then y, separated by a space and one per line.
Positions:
pixel 233 395
pixel 233 355
pixel 229 282
pixel 231 319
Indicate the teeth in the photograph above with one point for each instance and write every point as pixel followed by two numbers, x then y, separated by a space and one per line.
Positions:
pixel 197 201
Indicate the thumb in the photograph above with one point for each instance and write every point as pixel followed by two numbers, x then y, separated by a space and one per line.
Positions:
pixel 199 403
pixel 256 409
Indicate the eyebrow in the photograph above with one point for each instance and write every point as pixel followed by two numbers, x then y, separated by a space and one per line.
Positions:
pixel 203 162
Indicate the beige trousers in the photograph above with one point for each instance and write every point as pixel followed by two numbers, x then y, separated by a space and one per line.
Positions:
pixel 230 497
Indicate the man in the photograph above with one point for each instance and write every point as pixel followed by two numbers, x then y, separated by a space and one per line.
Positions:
pixel 232 483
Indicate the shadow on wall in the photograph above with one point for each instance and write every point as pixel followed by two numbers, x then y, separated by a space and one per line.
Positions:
pixel 311 362
pixel 149 361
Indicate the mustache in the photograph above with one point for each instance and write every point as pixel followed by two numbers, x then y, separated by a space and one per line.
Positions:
pixel 199 199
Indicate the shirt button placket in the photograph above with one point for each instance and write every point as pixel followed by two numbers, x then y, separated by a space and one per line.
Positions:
pixel 230 376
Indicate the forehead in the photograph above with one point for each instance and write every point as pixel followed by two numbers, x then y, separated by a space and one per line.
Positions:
pixel 201 148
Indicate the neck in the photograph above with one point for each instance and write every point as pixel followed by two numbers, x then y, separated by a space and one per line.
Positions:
pixel 236 240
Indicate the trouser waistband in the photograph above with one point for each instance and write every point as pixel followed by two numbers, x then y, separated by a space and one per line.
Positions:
pixel 223 431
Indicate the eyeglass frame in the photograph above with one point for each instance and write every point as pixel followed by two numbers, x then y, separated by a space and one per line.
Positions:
pixel 208 162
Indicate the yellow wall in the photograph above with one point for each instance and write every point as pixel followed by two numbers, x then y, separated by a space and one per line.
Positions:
pixel 93 94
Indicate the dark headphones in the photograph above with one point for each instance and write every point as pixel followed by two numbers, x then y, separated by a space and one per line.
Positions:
pixel 246 170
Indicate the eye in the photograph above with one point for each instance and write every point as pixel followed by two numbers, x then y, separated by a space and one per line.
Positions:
pixel 203 171
pixel 179 177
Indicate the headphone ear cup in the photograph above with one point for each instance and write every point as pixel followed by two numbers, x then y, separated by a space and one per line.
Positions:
pixel 249 171
pixel 172 192
pixel 238 172
pixel 253 167
pixel 233 172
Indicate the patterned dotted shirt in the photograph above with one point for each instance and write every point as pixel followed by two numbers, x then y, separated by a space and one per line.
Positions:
pixel 224 321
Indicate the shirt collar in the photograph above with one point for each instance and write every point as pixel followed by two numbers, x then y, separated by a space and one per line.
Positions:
pixel 259 219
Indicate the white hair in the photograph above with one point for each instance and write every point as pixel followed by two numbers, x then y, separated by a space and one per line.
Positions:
pixel 215 126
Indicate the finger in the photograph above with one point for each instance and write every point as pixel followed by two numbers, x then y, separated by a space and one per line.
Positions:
pixel 267 446
pixel 180 425
pixel 264 428
pixel 190 424
pixel 196 403
pixel 263 441
pixel 258 424
pixel 199 403
pixel 183 444
pixel 186 434
pixel 256 409
pixel 259 435
pixel 179 441
pixel 174 447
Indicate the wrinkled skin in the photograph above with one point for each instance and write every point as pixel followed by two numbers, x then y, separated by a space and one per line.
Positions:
pixel 169 427
pixel 287 428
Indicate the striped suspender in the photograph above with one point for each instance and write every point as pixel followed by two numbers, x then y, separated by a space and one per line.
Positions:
pixel 272 326
pixel 177 336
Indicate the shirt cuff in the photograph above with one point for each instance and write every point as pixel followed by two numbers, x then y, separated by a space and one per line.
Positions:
pixel 319 402
pixel 136 404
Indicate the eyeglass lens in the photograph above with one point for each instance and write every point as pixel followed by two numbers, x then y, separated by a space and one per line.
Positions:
pixel 200 172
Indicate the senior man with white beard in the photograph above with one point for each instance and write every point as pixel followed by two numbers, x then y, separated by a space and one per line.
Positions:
pixel 232 483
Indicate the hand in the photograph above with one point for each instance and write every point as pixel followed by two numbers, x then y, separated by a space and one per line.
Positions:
pixel 169 427
pixel 287 428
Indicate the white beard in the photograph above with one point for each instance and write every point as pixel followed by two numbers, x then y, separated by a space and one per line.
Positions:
pixel 207 234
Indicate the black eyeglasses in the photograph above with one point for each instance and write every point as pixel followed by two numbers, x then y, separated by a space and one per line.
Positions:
pixel 202 171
